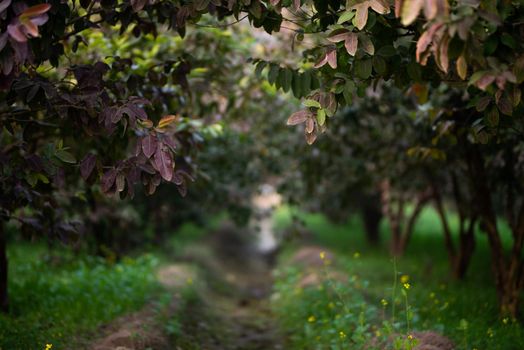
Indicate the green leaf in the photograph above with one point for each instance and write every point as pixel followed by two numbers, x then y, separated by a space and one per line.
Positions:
pixel 280 79
pixel 321 117
pixel 65 156
pixel 414 71
pixel 273 73
pixel 363 68
pixel 311 103
pixel 306 82
pixel 259 68
pixel 345 17
pixel 508 40
pixel 349 90
pixel 387 51
pixel 297 85
pixel 379 64
pixel 288 78
pixel 492 117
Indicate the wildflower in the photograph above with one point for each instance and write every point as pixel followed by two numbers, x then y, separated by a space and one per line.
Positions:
pixel 48 346
pixel 410 336
pixel 342 335
pixel 490 332
pixel 311 319
pixel 322 255
pixel 384 302
pixel 356 255
pixel 404 279
pixel 407 285
pixel 505 320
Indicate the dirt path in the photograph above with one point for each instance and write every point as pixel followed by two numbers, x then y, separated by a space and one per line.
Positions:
pixel 226 308
pixel 234 300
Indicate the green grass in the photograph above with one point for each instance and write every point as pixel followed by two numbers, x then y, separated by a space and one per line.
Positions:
pixel 465 311
pixel 61 298
pixel 55 299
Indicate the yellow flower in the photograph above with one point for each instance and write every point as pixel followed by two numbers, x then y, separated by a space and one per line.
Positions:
pixel 404 279
pixel 384 302
pixel 490 332
pixel 311 319
pixel 342 335
pixel 189 281
pixel 410 337
pixel 505 320
pixel 322 255
pixel 331 305
pixel 407 285
pixel 356 255
pixel 48 346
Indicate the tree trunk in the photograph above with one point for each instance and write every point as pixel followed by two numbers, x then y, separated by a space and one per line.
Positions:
pixel 401 226
pixel 507 273
pixel 371 216
pixel 466 249
pixel 4 300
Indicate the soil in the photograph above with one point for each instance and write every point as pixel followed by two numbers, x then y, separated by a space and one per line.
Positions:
pixel 230 311
pixel 229 308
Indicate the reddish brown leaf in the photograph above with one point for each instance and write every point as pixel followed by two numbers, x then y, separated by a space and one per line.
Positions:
pixel 425 40
pixel 298 117
pixel 322 62
pixel 164 163
pixel 15 33
pixel 34 11
pixel 398 7
pixel 166 121
pixel 462 67
pixel 332 58
pixel 108 179
pixel 430 9
pixel 138 4
pixel 149 145
pixel 485 81
pixel 87 165
pixel 120 182
pixel 310 125
pixel 4 4
pixel 350 40
pixel 442 58
pixel 310 138
pixel 410 10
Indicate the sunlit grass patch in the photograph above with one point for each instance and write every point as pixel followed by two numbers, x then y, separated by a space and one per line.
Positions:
pixel 465 311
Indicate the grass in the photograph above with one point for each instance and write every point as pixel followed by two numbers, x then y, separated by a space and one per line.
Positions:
pixel 53 299
pixel 59 298
pixel 464 311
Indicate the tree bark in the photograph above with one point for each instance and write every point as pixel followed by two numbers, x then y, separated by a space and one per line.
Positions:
pixel 507 272
pixel 401 231
pixel 4 300
pixel 371 216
